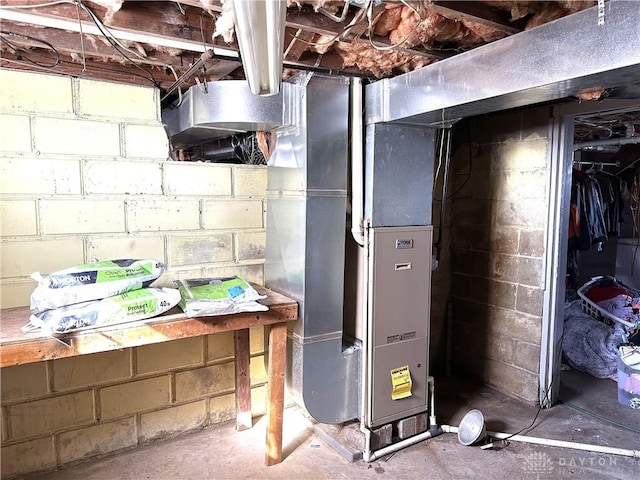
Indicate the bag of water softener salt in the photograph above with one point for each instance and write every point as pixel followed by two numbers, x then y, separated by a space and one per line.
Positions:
pixel 218 296
pixel 92 281
pixel 127 307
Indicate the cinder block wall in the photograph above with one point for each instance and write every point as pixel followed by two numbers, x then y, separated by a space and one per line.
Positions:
pixel 85 176
pixel 497 235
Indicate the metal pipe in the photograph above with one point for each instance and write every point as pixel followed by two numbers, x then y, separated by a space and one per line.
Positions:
pixel 599 164
pixel 555 443
pixel 207 55
pixel 608 141
pixel 357 162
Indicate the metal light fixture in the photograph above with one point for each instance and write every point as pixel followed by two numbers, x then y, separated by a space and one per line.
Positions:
pixel 260 33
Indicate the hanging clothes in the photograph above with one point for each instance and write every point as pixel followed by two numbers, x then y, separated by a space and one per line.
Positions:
pixel 587 203
pixel 594 214
pixel 612 201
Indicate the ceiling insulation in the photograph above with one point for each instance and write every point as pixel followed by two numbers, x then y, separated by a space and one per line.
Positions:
pixel 370 38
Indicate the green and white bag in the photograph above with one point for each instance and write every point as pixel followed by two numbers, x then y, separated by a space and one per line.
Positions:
pixel 92 281
pixel 127 307
pixel 218 296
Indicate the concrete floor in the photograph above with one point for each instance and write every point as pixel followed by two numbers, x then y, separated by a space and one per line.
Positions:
pixel 222 453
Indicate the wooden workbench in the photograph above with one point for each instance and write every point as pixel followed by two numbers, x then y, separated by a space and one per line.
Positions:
pixel 17 348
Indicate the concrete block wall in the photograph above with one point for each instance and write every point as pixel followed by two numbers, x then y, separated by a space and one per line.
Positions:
pixel 85 175
pixel 65 410
pixel 497 248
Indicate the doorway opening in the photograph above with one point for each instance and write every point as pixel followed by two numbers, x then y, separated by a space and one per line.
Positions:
pixel 594 210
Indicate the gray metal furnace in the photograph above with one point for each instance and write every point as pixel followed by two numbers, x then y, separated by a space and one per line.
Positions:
pixel 400 297
pixel 398 191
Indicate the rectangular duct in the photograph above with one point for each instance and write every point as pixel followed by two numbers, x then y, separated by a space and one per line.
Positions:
pixel 305 255
pixel 552 61
pixel 219 109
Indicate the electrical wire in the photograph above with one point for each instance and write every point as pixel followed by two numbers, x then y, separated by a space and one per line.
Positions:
pixel 96 20
pixel 466 180
pixel 37 5
pixel 530 426
pixel 600 417
pixel 21 52
pixel 332 39
pixel 74 64
pixel 370 27
pixel 115 43
pixel 84 56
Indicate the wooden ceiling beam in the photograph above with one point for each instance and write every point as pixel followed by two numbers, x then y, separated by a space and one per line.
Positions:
pixel 298 42
pixel 221 69
pixel 94 69
pixel 73 43
pixel 160 19
pixel 475 12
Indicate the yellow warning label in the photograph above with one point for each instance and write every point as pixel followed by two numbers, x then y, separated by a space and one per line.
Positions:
pixel 401 383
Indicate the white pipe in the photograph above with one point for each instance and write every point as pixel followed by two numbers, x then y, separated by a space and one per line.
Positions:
pixel 396 446
pixel 365 348
pixel 555 443
pixel 432 390
pixel 357 161
pixel 369 456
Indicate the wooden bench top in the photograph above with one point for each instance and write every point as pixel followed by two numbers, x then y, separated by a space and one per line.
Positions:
pixel 18 347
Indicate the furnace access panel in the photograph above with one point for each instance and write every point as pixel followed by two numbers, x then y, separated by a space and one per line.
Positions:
pixel 400 293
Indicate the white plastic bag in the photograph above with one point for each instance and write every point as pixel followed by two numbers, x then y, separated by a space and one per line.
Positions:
pixel 92 281
pixel 218 296
pixel 127 307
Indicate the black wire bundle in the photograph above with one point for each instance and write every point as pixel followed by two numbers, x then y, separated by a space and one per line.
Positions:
pixel 25 53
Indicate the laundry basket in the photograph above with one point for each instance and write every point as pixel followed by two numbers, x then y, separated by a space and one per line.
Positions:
pixel 629 376
pixel 591 308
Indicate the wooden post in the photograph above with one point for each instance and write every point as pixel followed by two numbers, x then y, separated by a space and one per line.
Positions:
pixel 243 380
pixel 275 393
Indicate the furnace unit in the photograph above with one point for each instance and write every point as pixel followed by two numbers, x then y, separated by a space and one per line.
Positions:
pixel 397 206
pixel 349 237
pixel 399 314
pixel 360 348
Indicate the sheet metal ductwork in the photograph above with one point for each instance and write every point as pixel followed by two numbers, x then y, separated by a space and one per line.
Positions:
pixel 219 109
pixel 306 220
pixel 552 61
pixel 305 256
